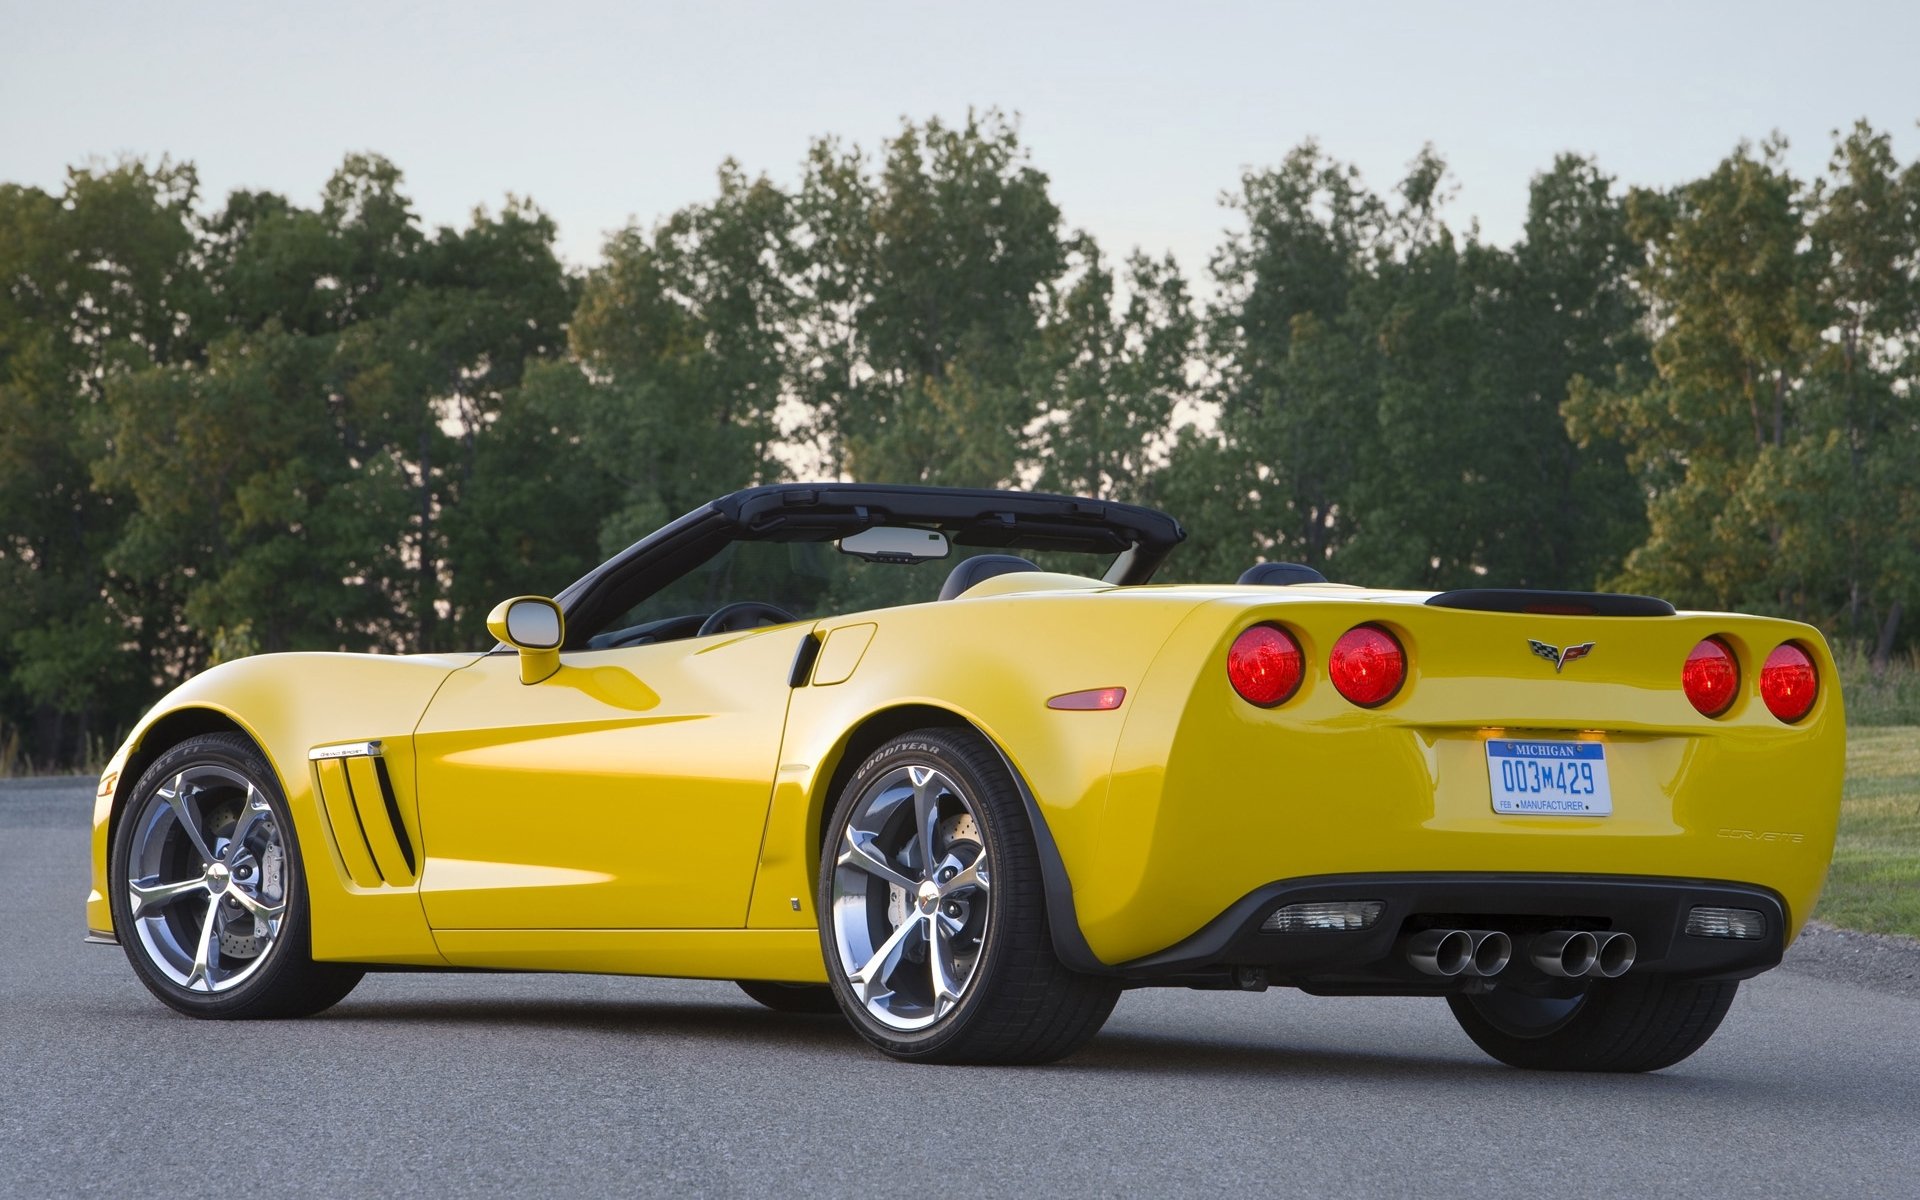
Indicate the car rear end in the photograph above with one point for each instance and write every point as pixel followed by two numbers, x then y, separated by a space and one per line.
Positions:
pixel 1323 786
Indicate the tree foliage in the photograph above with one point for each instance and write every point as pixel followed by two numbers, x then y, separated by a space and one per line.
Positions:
pixel 264 425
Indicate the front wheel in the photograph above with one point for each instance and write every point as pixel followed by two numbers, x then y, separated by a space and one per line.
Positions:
pixel 1628 1024
pixel 933 917
pixel 207 892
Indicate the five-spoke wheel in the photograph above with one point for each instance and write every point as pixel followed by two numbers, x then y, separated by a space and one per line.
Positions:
pixel 933 916
pixel 206 887
pixel 206 878
pixel 910 897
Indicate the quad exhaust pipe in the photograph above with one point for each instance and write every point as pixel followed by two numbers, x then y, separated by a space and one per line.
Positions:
pixel 1450 952
pixel 1562 953
pixel 1575 954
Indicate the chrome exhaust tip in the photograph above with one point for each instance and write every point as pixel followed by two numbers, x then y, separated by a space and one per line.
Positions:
pixel 1564 953
pixel 1615 956
pixel 1443 952
pixel 1492 951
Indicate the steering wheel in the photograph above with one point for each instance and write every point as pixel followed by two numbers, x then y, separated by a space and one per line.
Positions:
pixel 723 618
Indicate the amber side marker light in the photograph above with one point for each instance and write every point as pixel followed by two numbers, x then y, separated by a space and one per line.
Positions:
pixel 1788 682
pixel 1710 677
pixel 1266 665
pixel 1095 700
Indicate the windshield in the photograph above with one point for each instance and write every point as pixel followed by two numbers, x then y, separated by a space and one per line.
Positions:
pixel 805 580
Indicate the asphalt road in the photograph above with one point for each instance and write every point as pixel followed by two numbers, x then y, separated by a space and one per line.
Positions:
pixel 466 1084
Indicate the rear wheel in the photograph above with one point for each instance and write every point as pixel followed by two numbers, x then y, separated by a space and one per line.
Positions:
pixel 1639 1023
pixel 933 917
pixel 791 997
pixel 207 892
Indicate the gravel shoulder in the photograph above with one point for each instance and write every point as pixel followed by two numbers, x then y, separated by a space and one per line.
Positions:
pixel 1877 962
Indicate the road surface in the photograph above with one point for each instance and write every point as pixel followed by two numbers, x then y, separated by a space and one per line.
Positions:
pixel 468 1084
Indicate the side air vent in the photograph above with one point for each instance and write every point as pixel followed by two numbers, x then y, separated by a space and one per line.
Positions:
pixel 363 815
pixel 1567 604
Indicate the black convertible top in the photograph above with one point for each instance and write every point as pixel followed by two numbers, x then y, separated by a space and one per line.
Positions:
pixel 1140 538
pixel 970 516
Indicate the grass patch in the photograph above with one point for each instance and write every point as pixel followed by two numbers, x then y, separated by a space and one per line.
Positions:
pixel 1876 696
pixel 1875 881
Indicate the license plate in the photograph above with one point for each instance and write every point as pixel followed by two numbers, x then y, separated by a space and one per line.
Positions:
pixel 1552 777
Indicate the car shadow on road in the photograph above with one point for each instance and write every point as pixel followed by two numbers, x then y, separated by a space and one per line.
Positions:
pixel 624 1018
pixel 1159 1054
pixel 1111 1053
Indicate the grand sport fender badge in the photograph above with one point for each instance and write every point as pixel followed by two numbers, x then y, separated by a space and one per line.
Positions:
pixel 1558 657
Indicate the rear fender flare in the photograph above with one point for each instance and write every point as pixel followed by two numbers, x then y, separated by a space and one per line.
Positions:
pixel 1063 920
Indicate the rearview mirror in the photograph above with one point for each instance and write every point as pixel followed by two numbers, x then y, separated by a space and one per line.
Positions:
pixel 535 627
pixel 895 543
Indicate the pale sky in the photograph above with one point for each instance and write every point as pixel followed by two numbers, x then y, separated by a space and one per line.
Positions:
pixel 1140 114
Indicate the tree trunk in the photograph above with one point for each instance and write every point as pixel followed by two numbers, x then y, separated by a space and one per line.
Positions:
pixel 1883 648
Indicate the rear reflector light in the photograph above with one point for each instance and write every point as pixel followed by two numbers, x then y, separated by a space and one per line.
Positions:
pixel 1265 665
pixel 1097 700
pixel 1711 677
pixel 1788 682
pixel 1743 923
pixel 1332 915
pixel 1367 665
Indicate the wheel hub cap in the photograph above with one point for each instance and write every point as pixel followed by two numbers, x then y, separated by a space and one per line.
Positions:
pixel 910 897
pixel 202 912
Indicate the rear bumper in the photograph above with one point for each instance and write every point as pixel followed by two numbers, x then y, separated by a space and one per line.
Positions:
pixel 1653 910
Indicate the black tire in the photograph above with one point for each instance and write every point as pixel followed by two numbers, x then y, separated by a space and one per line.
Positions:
pixel 812 999
pixel 286 982
pixel 1020 1004
pixel 1628 1024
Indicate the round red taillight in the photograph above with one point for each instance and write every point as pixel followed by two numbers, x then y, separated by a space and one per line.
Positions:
pixel 1711 677
pixel 1265 665
pixel 1788 682
pixel 1367 665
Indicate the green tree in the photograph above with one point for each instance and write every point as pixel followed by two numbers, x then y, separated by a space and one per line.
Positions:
pixel 95 282
pixel 922 287
pixel 1109 372
pixel 679 344
pixel 1294 370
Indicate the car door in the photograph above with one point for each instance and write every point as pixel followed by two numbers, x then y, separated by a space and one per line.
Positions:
pixel 627 791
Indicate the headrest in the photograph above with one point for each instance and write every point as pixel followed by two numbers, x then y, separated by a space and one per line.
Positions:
pixel 970 571
pixel 1281 574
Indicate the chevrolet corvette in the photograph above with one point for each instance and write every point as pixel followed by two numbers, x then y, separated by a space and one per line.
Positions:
pixel 947 762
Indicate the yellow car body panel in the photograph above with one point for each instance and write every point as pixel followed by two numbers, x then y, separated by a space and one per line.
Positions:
pixel 289 704
pixel 657 809
pixel 626 791
pixel 1212 796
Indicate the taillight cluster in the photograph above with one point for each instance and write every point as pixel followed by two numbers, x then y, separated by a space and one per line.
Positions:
pixel 1266 665
pixel 1789 684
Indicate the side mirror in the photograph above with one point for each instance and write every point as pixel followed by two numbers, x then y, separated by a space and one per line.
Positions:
pixel 534 626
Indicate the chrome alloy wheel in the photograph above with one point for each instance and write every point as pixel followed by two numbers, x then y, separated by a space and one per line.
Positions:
pixel 910 897
pixel 207 878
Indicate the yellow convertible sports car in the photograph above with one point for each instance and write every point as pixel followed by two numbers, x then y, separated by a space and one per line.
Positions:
pixel 945 761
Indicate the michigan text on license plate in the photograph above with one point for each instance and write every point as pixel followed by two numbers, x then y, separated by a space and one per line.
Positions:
pixel 1555 777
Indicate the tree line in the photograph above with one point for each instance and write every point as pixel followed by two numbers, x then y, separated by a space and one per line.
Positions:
pixel 267 426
